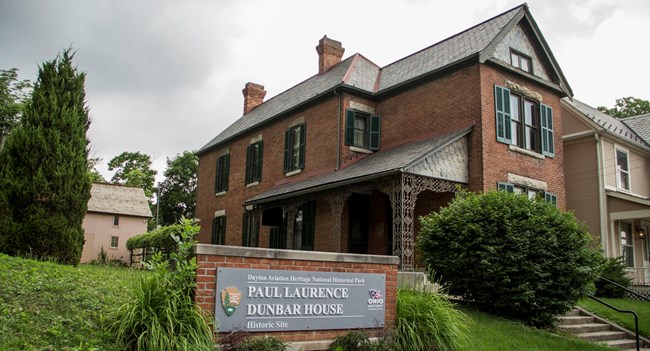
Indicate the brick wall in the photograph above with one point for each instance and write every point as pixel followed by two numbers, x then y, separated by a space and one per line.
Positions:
pixel 211 257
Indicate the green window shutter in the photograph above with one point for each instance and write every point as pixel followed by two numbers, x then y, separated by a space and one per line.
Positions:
pixel 375 132
pixel 546 116
pixel 258 176
pixel 215 231
pixel 502 107
pixel 226 172
pixel 507 187
pixel 287 150
pixel 245 229
pixel 303 144
pixel 308 226
pixel 550 198
pixel 349 127
pixel 217 177
pixel 249 162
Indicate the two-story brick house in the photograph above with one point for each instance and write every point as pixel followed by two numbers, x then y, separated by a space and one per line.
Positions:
pixel 607 169
pixel 347 160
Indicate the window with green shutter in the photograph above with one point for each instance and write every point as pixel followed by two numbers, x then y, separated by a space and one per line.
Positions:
pixel 362 130
pixel 223 170
pixel 254 163
pixel 308 226
pixel 550 198
pixel 546 117
pixel 218 230
pixel 507 187
pixel 250 229
pixel 294 148
pixel 502 107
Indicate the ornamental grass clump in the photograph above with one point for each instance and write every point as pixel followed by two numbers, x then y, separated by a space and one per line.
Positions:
pixel 161 314
pixel 428 321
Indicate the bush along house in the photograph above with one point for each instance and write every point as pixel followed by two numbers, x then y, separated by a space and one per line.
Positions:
pixel 347 160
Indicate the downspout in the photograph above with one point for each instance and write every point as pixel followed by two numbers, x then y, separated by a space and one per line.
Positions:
pixel 338 133
pixel 602 203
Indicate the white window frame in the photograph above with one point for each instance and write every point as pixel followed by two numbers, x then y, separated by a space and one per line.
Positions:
pixel 117 242
pixel 620 171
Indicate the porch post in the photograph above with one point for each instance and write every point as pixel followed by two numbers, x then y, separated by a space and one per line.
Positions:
pixel 337 201
pixel 291 210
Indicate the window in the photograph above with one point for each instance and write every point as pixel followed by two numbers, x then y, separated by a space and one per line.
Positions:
pixel 523 122
pixel 250 229
pixel 362 130
pixel 294 148
pixel 254 163
pixel 531 193
pixel 114 242
pixel 627 248
pixel 116 220
pixel 218 230
pixel 303 236
pixel 223 170
pixel 622 170
pixel 521 61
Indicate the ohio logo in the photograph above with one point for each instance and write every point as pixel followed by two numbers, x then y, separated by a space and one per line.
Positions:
pixel 230 299
pixel 375 297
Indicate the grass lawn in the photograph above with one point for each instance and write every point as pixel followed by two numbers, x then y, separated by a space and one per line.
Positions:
pixel 642 309
pixel 45 306
pixel 489 333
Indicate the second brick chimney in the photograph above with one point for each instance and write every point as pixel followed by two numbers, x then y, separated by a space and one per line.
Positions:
pixel 253 96
pixel 329 53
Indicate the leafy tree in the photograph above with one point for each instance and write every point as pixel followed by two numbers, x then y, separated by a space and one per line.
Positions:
pixel 178 190
pixel 13 95
pixel 133 168
pixel 627 107
pixel 44 184
pixel 511 256
pixel 93 173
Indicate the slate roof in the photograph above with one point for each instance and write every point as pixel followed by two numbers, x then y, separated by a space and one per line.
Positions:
pixel 610 124
pixel 359 72
pixel 390 160
pixel 641 125
pixel 118 199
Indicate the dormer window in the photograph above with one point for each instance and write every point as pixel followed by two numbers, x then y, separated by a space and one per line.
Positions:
pixel 521 61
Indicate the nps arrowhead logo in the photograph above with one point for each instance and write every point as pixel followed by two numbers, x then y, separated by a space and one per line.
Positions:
pixel 230 299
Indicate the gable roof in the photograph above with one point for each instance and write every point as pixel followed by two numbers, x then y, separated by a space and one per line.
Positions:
pixel 609 124
pixel 640 125
pixel 379 164
pixel 361 75
pixel 118 199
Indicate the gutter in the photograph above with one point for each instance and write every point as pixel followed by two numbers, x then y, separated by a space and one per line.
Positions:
pixel 602 199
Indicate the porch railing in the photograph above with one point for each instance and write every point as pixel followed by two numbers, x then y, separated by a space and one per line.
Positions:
pixel 639 275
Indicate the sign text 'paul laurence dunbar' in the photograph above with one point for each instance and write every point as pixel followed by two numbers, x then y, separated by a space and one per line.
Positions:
pixel 273 300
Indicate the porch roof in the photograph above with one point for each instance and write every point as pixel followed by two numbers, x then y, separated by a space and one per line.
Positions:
pixel 391 160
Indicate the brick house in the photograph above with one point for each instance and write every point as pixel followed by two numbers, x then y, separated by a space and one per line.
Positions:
pixel 347 160
pixel 607 172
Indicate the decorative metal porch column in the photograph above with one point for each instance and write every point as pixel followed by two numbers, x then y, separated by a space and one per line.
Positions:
pixel 337 201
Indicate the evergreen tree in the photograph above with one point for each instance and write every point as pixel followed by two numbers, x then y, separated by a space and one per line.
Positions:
pixel 178 190
pixel 44 183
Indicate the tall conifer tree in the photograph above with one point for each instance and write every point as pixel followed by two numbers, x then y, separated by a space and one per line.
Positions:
pixel 44 183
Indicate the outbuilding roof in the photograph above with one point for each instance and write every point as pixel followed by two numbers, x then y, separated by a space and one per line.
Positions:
pixel 118 199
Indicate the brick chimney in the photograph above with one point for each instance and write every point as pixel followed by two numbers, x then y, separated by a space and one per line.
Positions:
pixel 253 96
pixel 329 53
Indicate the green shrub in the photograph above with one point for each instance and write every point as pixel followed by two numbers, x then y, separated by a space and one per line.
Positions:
pixel 352 341
pixel 614 270
pixel 161 314
pixel 428 321
pixel 266 343
pixel 511 256
pixel 160 238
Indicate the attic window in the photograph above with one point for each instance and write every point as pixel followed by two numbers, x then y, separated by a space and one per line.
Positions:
pixel 521 61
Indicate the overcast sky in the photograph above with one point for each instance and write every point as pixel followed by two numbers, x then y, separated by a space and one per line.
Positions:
pixel 166 76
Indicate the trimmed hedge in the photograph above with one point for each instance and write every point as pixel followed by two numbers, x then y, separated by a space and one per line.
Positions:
pixel 160 238
pixel 511 256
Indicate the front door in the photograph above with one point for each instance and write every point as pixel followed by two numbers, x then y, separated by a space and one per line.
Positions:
pixel 358 224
